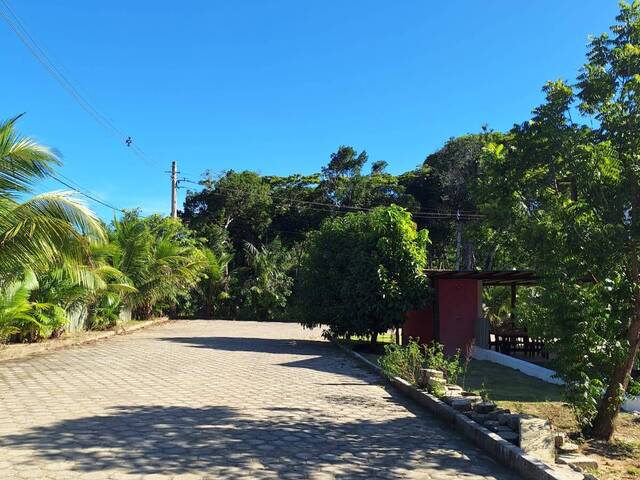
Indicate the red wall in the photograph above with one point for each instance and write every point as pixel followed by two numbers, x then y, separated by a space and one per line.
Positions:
pixel 419 324
pixel 457 311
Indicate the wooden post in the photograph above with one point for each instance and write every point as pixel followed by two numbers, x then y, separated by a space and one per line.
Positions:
pixel 512 315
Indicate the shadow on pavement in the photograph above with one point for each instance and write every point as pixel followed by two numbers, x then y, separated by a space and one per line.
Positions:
pixel 262 345
pixel 220 441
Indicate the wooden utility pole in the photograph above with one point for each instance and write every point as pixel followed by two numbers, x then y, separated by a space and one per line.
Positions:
pixel 174 189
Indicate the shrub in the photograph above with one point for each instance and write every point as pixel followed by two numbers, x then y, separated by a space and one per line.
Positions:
pixel 452 367
pixel 406 361
pixel 403 361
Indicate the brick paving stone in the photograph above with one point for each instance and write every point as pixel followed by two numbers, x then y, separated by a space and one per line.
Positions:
pixel 218 399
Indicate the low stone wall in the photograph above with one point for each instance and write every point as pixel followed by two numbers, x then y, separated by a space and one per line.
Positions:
pixel 15 351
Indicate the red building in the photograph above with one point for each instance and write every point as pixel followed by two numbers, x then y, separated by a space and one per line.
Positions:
pixel 454 317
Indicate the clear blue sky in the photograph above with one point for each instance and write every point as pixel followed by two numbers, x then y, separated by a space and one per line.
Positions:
pixel 276 86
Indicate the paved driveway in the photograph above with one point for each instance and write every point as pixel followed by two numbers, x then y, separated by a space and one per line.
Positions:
pixel 217 399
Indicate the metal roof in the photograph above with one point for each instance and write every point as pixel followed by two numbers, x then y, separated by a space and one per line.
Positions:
pixel 488 277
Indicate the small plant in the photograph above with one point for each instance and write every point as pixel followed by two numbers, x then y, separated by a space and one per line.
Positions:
pixel 403 361
pixel 467 361
pixel 437 389
pixel 633 471
pixel 435 358
pixel 484 392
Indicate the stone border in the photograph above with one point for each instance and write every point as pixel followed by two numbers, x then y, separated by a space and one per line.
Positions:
pixel 17 351
pixel 497 447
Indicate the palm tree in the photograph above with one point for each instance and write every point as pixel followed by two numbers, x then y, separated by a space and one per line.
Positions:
pixel 94 287
pixel 160 266
pixel 36 234
pixel 46 227
pixel 268 286
pixel 24 319
pixel 212 288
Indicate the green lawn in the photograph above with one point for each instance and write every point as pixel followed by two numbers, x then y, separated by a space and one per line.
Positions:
pixel 508 385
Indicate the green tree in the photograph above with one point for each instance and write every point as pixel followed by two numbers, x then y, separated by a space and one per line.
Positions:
pixel 237 202
pixel 569 195
pixel 363 272
pixel 448 181
pixel 37 235
pixel 44 228
pixel 609 90
pixel 212 290
pixel 343 183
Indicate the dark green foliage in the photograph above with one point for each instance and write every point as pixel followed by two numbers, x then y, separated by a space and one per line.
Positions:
pixel 363 272
pixel 160 257
pixel 239 203
pixel 267 285
pixel 567 196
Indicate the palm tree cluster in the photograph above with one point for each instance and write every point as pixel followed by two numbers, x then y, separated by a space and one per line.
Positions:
pixel 58 260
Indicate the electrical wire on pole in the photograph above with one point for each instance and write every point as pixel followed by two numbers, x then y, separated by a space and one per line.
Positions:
pixel 85 193
pixel 19 28
pixel 458 215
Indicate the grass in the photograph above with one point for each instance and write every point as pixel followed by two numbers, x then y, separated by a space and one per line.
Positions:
pixel 507 384
pixel 519 393
pixel 388 337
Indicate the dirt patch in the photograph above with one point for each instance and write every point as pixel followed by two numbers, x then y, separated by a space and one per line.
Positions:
pixel 620 458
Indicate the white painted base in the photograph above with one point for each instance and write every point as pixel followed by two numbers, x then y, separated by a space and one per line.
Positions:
pixel 527 368
pixel 631 404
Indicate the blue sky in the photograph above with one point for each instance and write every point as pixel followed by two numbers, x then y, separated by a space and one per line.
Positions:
pixel 276 86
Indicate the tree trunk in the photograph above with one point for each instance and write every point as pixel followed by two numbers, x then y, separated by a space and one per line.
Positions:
pixel 604 423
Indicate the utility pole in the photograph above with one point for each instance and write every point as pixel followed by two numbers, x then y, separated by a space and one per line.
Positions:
pixel 174 189
pixel 458 241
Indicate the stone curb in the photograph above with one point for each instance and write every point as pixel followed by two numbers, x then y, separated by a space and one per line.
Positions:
pixel 501 450
pixel 18 351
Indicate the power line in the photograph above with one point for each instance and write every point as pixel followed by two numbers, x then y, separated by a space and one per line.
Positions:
pixel 329 207
pixel 85 193
pixel 19 28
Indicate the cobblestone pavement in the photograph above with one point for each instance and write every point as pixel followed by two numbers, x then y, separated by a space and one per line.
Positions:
pixel 217 399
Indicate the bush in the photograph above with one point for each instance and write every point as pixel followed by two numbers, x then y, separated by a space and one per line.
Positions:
pixel 363 272
pixel 406 361
pixel 403 361
pixel 435 358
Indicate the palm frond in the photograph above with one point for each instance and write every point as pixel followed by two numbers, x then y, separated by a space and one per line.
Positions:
pixel 43 229
pixel 22 160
